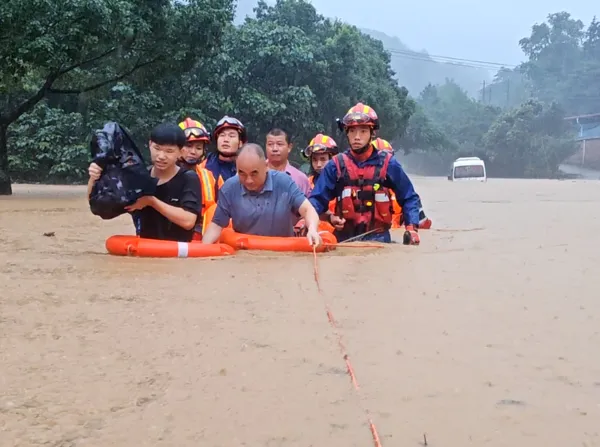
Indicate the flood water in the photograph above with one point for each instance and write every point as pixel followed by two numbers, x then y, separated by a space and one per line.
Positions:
pixel 485 335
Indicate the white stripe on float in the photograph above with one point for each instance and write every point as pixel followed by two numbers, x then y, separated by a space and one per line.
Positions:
pixel 182 249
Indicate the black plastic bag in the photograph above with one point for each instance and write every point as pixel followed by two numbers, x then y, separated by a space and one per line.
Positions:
pixel 124 178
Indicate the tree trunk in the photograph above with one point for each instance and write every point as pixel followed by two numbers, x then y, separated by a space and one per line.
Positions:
pixel 5 183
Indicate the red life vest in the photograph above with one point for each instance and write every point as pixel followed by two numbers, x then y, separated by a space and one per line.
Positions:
pixel 363 200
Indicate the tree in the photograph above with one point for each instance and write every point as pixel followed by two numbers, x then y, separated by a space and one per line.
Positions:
pixel 462 120
pixel 422 134
pixel 563 63
pixel 287 67
pixel 530 141
pixel 74 47
pixel 291 67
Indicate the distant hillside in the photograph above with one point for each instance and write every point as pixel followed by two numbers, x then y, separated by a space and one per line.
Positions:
pixel 414 70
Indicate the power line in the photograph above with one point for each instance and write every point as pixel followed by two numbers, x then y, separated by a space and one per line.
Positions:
pixel 498 64
pixel 449 60
pixel 469 65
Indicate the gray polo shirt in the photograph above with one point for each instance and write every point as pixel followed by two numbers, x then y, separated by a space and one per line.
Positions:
pixel 270 212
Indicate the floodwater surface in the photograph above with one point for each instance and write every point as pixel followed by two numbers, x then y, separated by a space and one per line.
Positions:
pixel 485 335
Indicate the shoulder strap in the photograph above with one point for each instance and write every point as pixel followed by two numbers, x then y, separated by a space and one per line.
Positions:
pixel 340 165
pixel 382 166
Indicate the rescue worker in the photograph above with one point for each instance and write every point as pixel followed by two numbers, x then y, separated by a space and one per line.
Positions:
pixel 229 135
pixel 318 152
pixel 363 178
pixel 398 218
pixel 192 154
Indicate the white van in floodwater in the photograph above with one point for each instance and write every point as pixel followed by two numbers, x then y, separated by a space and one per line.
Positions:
pixel 468 168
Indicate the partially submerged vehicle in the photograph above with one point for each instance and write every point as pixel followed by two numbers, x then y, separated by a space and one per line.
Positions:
pixel 468 168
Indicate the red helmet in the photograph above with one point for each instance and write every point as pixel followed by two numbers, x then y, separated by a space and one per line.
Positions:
pixel 320 144
pixel 228 122
pixel 194 130
pixel 382 145
pixel 359 115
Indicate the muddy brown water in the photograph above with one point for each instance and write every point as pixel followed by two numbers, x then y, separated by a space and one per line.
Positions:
pixel 487 334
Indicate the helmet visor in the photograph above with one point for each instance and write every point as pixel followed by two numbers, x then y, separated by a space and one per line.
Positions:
pixel 228 121
pixel 358 119
pixel 195 132
pixel 318 149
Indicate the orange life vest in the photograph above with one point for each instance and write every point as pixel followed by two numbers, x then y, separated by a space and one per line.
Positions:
pixel 397 218
pixel 207 185
pixel 207 182
pixel 217 183
pixel 363 200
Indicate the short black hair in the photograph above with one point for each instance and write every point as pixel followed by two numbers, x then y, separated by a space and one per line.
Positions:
pixel 168 133
pixel 277 132
pixel 254 148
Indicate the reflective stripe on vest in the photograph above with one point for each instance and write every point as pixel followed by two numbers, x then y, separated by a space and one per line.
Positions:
pixel 218 182
pixel 381 197
pixel 208 188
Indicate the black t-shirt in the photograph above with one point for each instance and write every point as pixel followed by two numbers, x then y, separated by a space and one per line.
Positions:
pixel 182 191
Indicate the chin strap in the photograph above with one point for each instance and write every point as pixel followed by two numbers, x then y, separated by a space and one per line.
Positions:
pixel 192 162
pixel 361 150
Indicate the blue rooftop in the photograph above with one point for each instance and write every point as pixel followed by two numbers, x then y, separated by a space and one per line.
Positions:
pixel 588 127
pixel 589 132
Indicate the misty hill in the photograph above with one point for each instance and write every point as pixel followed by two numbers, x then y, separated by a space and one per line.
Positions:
pixel 415 70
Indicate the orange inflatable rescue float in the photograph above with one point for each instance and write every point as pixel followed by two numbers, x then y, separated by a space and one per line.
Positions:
pixel 240 241
pixel 153 248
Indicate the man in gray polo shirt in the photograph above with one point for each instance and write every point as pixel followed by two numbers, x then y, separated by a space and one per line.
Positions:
pixel 261 201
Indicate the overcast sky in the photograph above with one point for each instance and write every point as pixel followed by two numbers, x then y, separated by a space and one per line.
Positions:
pixel 469 29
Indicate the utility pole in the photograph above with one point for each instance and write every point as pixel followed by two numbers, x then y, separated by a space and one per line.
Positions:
pixel 507 93
pixel 483 93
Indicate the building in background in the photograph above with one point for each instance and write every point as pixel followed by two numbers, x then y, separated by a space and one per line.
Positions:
pixel 588 155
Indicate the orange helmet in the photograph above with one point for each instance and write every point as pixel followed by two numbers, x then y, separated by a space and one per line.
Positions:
pixel 359 115
pixel 320 144
pixel 228 122
pixel 194 130
pixel 382 145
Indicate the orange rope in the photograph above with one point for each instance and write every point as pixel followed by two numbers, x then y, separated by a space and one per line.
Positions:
pixel 349 368
pixel 355 245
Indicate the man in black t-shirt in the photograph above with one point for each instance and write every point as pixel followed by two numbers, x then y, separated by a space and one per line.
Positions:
pixel 172 213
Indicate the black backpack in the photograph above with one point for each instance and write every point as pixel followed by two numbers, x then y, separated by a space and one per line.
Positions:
pixel 124 178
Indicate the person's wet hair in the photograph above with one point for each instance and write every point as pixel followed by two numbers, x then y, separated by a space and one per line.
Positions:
pixel 254 148
pixel 168 134
pixel 277 132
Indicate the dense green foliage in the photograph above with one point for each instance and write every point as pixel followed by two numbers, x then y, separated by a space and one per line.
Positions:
pixel 67 67
pixel 59 61
pixel 288 67
pixel 528 141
